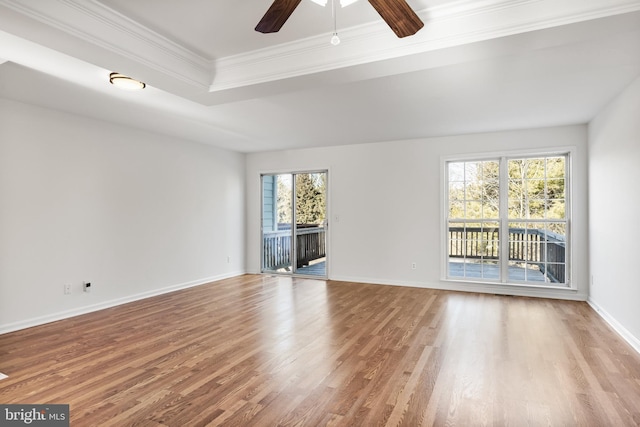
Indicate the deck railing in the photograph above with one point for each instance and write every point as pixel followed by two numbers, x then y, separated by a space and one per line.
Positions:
pixel 310 245
pixel 545 249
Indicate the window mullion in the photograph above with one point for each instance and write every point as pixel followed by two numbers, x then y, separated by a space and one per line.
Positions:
pixel 533 233
pixel 503 258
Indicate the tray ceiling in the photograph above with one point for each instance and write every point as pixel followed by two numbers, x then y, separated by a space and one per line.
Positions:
pixel 478 65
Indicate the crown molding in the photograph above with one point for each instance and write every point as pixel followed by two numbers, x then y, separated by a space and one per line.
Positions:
pixel 99 25
pixel 449 25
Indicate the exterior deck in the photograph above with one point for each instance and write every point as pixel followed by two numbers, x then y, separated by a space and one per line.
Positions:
pixel 456 269
pixel 535 255
pixel 318 268
pixel 492 272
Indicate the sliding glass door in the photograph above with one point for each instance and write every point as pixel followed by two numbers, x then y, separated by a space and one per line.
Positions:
pixel 294 225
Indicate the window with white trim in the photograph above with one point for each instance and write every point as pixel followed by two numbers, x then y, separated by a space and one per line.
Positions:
pixel 508 220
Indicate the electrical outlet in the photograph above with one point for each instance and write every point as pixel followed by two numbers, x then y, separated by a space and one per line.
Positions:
pixel 413 265
pixel 228 259
pixel 87 286
pixel 67 289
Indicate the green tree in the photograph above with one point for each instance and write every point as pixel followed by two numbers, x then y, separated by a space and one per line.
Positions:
pixel 474 190
pixel 536 189
pixel 310 198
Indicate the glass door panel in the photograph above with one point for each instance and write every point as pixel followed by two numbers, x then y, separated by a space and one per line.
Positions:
pixel 310 230
pixel 277 245
pixel 294 223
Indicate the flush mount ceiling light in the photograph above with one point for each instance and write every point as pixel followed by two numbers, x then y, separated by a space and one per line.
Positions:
pixel 125 82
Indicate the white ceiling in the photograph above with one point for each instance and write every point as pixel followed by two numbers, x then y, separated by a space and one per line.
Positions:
pixel 225 27
pixel 477 66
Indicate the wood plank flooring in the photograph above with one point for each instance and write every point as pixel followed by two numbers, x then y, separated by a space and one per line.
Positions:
pixel 270 351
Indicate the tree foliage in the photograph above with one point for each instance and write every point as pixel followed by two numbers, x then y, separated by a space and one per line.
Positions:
pixel 284 199
pixel 310 198
pixel 536 189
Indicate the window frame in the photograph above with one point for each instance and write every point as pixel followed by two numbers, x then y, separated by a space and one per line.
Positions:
pixel 503 157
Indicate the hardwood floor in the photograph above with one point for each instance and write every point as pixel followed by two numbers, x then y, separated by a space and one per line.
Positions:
pixel 268 351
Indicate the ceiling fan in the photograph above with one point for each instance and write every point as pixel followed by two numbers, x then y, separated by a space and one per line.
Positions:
pixel 396 13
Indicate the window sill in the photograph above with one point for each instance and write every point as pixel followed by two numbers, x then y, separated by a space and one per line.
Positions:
pixel 514 285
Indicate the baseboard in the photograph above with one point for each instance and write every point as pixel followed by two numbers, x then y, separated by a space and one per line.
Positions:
pixel 617 326
pixel 524 291
pixel 11 327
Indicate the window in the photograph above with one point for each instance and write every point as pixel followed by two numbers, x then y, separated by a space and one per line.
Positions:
pixel 507 220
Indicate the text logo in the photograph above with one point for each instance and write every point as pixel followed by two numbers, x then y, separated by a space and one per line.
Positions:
pixel 34 415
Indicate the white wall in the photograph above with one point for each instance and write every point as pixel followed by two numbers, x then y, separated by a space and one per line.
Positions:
pixel 614 203
pixel 134 213
pixel 387 198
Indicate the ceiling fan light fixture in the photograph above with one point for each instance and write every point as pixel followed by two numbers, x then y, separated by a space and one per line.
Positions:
pixel 335 40
pixel 343 3
pixel 125 82
pixel 396 13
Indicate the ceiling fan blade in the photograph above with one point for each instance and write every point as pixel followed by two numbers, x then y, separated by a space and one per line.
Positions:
pixel 399 16
pixel 277 15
